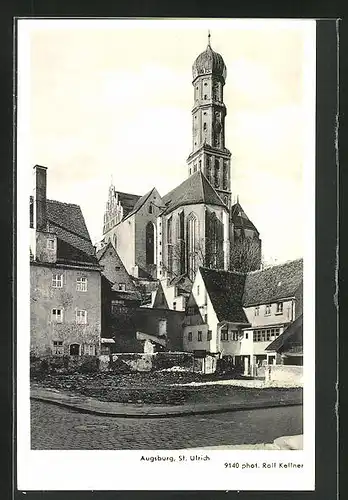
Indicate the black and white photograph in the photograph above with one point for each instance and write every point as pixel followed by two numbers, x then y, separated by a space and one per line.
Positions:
pixel 165 205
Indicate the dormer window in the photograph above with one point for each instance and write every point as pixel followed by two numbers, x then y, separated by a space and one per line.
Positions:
pixel 279 308
pixel 268 310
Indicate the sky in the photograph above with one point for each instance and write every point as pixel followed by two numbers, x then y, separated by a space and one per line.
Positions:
pixel 113 99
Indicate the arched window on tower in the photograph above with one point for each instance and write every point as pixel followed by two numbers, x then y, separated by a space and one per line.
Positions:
pixel 150 243
pixel 225 183
pixel 217 173
pixel 191 245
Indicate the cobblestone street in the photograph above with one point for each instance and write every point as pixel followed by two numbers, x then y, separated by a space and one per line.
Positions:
pixel 54 427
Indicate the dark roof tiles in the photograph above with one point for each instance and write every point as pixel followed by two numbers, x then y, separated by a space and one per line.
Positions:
pixel 67 222
pixel 292 336
pixel 275 283
pixel 225 289
pixel 196 189
pixel 128 201
pixel 240 218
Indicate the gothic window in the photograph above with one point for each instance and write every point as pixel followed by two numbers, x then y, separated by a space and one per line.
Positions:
pixel 150 243
pixel 181 236
pixel 200 164
pixel 191 245
pixel 205 97
pixel 170 244
pixel 150 208
pixel 204 126
pixel 214 238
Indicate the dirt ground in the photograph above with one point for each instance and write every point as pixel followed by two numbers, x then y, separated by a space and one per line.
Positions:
pixel 159 388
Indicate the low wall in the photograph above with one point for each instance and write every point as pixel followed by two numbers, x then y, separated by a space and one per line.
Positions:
pixel 284 373
pixel 145 362
pixel 64 364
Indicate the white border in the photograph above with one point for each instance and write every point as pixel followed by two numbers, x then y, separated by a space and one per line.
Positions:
pixel 113 470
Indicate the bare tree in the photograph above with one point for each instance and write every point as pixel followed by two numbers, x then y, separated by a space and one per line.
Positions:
pixel 245 254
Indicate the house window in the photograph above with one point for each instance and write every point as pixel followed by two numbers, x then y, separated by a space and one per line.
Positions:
pixel 74 349
pixel 89 349
pixel 190 311
pixel 234 335
pixel 57 280
pixel 199 337
pixel 257 310
pixel 189 336
pixel 268 334
pixel 279 308
pixel 277 332
pixel 224 335
pixel 174 306
pixel 81 284
pixel 205 97
pixel 204 126
pixel 117 268
pixel 209 335
pixel 246 335
pixel 81 317
pixel 197 289
pixel 206 318
pixel 57 315
pixel 122 287
pixel 58 349
pixel 51 244
pixel 162 327
pixel 268 310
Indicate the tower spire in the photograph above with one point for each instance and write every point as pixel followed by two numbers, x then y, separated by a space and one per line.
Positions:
pixel 209 35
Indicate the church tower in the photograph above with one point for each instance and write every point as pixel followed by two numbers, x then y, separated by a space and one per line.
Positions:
pixel 209 153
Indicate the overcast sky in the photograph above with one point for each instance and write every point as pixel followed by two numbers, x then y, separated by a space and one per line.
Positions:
pixel 116 99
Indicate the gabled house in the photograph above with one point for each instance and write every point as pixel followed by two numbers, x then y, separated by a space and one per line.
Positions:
pixel 214 317
pixel 65 278
pixel 240 315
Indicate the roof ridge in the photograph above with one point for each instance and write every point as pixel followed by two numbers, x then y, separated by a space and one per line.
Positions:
pixel 276 265
pixel 63 203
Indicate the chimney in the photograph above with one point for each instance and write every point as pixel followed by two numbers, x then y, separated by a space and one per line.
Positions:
pixel 40 215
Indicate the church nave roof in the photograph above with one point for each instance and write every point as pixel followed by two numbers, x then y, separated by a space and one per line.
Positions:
pixel 194 190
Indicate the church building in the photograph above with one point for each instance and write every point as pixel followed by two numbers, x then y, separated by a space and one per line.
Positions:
pixel 167 238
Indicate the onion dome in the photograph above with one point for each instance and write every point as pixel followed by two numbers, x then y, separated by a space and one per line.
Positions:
pixel 209 62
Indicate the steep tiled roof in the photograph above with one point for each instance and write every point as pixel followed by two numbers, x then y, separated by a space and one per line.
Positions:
pixel 240 218
pixel 275 283
pixel 140 202
pixel 225 289
pixel 292 336
pixel 67 221
pixel 128 201
pixel 195 189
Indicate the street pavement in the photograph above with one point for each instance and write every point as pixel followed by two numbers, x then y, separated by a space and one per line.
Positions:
pixel 58 428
